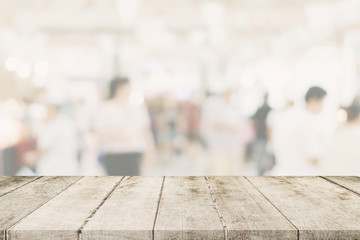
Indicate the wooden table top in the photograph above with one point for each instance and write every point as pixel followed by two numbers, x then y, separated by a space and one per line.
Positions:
pixel 179 208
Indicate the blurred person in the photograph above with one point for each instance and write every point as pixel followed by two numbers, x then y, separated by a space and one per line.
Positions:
pixel 193 121
pixel 264 160
pixel 297 136
pixel 27 144
pixel 90 148
pixel 181 128
pixel 10 123
pixel 343 156
pixel 166 125
pixel 164 138
pixel 221 126
pixel 194 147
pixel 272 118
pixel 57 145
pixel 124 131
pixel 12 137
pixel 153 113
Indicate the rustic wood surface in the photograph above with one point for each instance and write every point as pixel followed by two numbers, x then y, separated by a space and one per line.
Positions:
pixel 318 208
pixel 9 184
pixel 187 211
pixel 129 213
pixel 351 183
pixel 64 215
pixel 19 203
pixel 85 208
pixel 246 212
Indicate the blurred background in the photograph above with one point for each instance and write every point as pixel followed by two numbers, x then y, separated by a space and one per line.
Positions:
pixel 180 87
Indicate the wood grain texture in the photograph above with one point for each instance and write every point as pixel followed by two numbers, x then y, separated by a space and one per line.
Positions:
pixel 187 211
pixel 129 213
pixel 318 208
pixel 18 204
pixel 8 184
pixel 246 212
pixel 179 208
pixel 63 216
pixel 352 183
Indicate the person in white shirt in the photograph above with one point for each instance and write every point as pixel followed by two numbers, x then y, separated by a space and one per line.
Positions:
pixel 296 136
pixel 221 126
pixel 57 145
pixel 124 132
pixel 343 155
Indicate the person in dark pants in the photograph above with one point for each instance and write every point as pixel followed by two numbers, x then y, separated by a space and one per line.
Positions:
pixel 123 164
pixel 124 129
pixel 261 156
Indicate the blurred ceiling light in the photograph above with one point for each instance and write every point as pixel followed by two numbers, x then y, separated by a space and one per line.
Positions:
pixel 196 38
pixel 349 11
pixel 217 36
pixel 11 63
pixel 342 115
pixel 12 105
pixel 153 34
pixel 127 10
pixel 276 78
pixel 183 95
pixel 37 111
pixel 248 80
pixel 38 82
pixel 277 98
pixel 248 102
pixel 136 98
pixel 41 69
pixel 23 71
pixel 260 19
pixel 213 13
pixel 322 15
pixel 241 19
pixel 168 39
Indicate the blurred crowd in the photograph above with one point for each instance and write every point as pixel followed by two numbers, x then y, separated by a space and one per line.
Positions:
pixel 127 135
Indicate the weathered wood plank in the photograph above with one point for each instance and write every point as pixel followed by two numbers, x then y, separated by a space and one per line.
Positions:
pixel 246 212
pixel 18 204
pixel 352 183
pixel 129 213
pixel 64 215
pixel 8 184
pixel 318 208
pixel 187 211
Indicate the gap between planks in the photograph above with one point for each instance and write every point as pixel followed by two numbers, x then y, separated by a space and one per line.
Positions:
pixel 108 195
pixel 26 183
pixel 157 209
pixel 216 206
pixel 340 185
pixel 297 230
pixel 6 230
